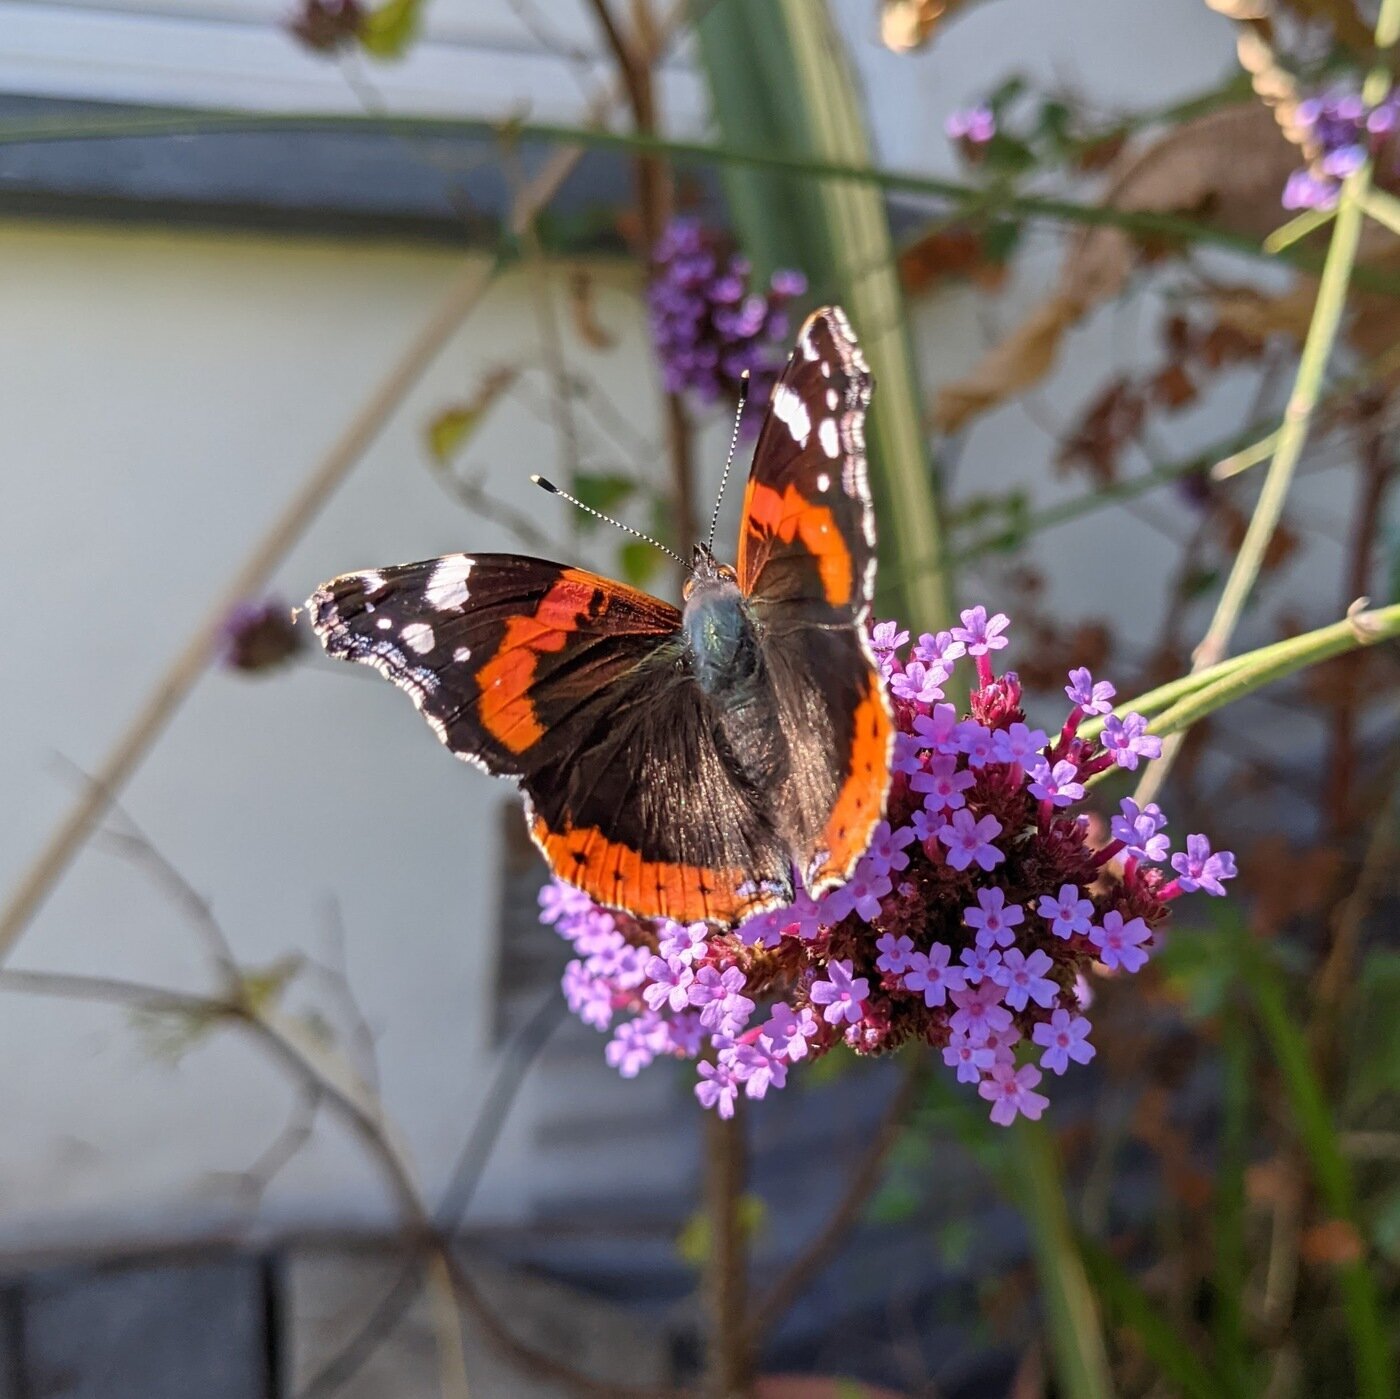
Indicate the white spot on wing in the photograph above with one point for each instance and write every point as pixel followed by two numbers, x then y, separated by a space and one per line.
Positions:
pixel 372 581
pixel 447 584
pixel 789 408
pixel 823 482
pixel 462 655
pixel 384 623
pixel 826 435
pixel 418 636
pixel 832 399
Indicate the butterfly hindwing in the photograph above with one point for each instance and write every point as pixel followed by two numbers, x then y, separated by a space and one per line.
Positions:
pixel 575 686
pixel 807 561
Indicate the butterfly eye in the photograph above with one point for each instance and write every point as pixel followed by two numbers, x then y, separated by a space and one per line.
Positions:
pixel 728 574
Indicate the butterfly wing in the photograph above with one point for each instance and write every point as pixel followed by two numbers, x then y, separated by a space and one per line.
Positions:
pixel 807 562
pixel 579 688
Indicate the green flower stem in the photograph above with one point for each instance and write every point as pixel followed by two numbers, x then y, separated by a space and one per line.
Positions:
pixel 1375 1373
pixel 1173 227
pixel 1072 1314
pixel 1337 275
pixel 1181 703
pixel 1230 1250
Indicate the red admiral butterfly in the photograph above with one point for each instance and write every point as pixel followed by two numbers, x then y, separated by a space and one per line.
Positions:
pixel 675 764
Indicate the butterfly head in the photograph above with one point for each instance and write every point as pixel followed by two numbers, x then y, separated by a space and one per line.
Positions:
pixel 706 571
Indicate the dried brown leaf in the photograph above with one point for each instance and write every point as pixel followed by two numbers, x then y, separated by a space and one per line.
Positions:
pixel 906 25
pixel 1227 167
pixel 583 309
pixel 1023 358
pixel 1333 1242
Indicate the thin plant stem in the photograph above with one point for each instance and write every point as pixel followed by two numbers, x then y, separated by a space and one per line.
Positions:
pixel 1148 223
pixel 729 1362
pixel 1337 275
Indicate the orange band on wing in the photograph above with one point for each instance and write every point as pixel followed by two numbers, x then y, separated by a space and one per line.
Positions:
pixel 792 516
pixel 860 804
pixel 506 710
pixel 618 876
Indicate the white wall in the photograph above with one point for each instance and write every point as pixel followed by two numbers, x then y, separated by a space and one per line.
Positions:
pixel 160 397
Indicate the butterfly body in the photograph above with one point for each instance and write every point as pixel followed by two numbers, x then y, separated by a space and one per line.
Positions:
pixel 689 763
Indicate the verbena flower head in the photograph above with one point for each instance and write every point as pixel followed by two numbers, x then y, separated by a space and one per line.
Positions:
pixel 1338 132
pixel 258 636
pixel 709 323
pixel 970 924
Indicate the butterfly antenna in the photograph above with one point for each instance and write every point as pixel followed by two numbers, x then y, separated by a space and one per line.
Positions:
pixel 549 486
pixel 729 460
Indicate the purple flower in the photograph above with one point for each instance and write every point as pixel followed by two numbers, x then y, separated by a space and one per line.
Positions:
pixel 1065 1037
pixel 1197 868
pixel 973 126
pixel 718 1088
pixel 938 729
pixel 762 929
pixel 723 1006
pixel 976 741
pixel 927 824
pixel 894 952
pixel 866 890
pixel 1088 695
pixel 1058 785
pixel 1024 978
pixel 961 1054
pixel 632 1046
pixel 708 327
pixel 1138 829
pixel 979 1011
pixel 1068 913
pixel 907 753
pixel 756 1067
pixel 684 941
pixel 931 976
pixel 1010 1091
pixel 562 904
pixel 993 918
pixel 943 785
pixel 1127 740
pixel 918 684
pixel 886 637
pixel 1119 943
pixel 804 919
pixel 981 634
pixel 969 840
pixel 841 994
pixel 589 997
pixel 788 1031
pixel 886 850
pixel 980 962
pixel 259 636
pixel 940 650
pixel 1019 744
pixel 671 981
pixel 996 1048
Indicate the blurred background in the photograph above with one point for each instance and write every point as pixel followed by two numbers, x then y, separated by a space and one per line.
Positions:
pixel 292 1102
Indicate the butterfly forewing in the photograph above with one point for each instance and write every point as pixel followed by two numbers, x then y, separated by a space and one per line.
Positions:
pixel 807 560
pixel 577 687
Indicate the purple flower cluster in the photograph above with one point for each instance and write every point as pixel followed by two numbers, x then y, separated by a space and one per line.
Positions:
pixel 969 923
pixel 1338 132
pixel 973 129
pixel 709 325
pixel 258 636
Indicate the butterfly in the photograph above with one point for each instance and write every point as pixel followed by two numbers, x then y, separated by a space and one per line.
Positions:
pixel 695 763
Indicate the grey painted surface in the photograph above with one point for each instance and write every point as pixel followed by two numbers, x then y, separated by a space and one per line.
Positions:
pixel 148 1333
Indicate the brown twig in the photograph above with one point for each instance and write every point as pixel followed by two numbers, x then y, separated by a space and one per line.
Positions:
pixel 808 1264
pixel 654 201
pixel 729 1366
